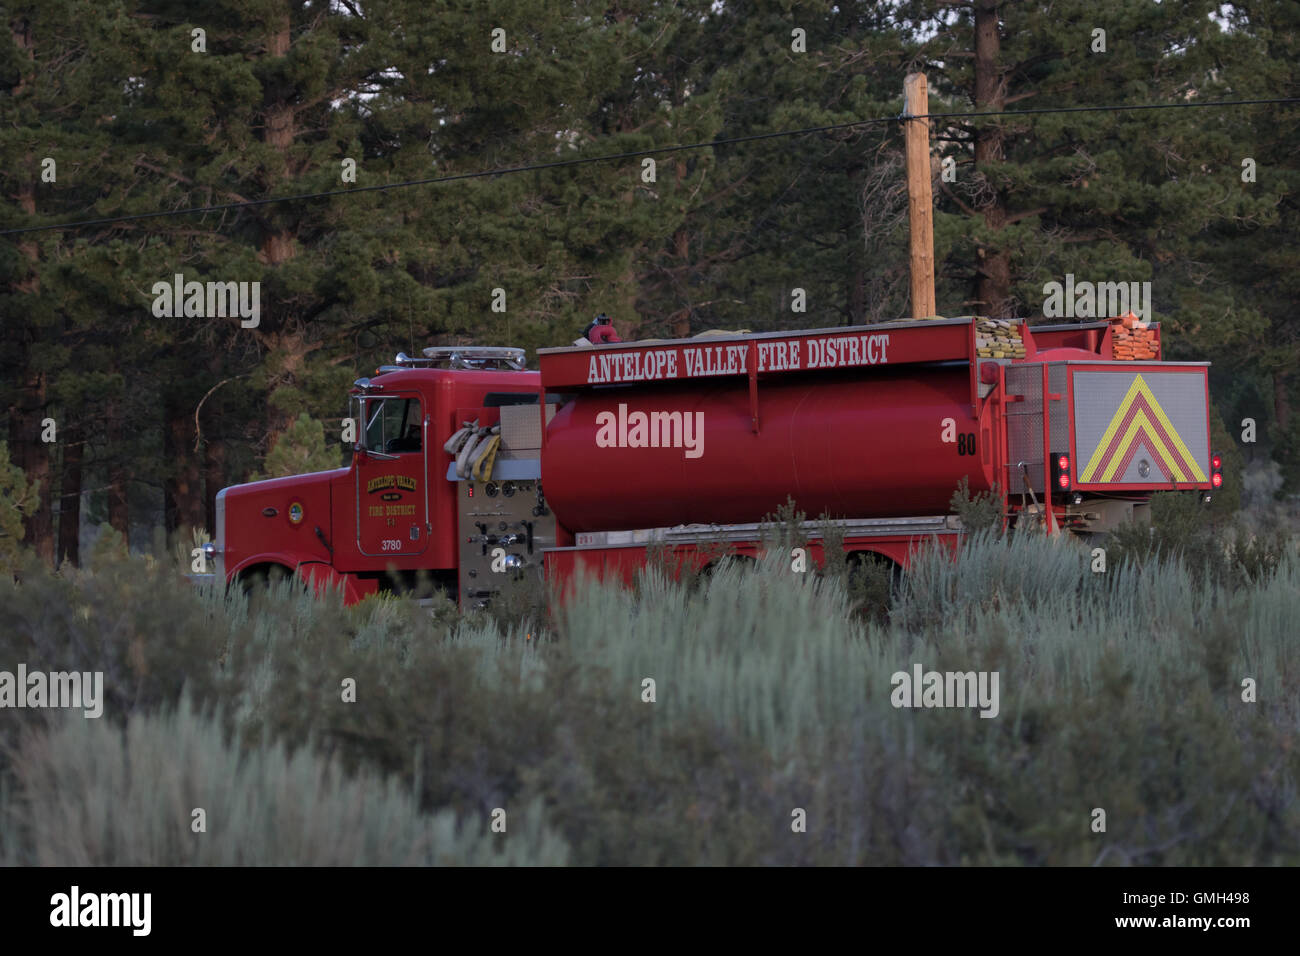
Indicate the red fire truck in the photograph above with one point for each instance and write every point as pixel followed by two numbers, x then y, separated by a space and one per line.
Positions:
pixel 468 466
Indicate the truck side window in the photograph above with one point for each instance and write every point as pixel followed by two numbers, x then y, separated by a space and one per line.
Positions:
pixel 393 425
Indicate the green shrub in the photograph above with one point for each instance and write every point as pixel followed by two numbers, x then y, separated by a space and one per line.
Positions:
pixel 980 512
pixel 783 529
pixel 138 789
pixel 868 579
pixel 1120 690
pixel 522 601
pixel 1032 571
pixel 1213 551
pixel 18 499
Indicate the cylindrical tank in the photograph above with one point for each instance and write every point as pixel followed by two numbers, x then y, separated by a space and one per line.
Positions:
pixel 849 445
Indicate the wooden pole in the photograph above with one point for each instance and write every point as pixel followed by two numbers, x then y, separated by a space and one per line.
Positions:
pixel 920 204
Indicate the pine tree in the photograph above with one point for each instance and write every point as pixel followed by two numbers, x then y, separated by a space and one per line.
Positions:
pixel 63 64
pixel 1110 195
pixel 18 499
pixel 299 450
pixel 822 212
pixel 1238 306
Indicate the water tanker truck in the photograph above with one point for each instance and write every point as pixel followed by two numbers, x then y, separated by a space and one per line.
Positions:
pixel 468 466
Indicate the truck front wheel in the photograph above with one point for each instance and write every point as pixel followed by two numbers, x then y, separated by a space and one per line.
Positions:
pixel 258 580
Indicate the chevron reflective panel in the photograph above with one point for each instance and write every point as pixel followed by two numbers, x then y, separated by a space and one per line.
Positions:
pixel 1141 428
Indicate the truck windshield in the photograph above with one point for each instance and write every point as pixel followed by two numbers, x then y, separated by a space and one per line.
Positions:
pixel 392 425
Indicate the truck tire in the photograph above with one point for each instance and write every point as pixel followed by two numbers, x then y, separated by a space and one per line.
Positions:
pixel 259 580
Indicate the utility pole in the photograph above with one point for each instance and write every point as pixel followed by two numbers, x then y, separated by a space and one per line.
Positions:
pixel 920 204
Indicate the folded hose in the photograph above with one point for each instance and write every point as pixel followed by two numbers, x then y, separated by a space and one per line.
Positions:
pixel 467 449
pixel 458 437
pixel 486 457
pixel 475 446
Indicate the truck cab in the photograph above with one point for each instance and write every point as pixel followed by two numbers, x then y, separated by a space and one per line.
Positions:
pixel 390 517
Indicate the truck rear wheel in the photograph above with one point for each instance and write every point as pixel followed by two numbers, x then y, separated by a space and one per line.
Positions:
pixel 735 559
pixel 864 564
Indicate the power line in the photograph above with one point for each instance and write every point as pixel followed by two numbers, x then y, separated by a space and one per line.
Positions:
pixel 482 174
pixel 682 147
pixel 1117 109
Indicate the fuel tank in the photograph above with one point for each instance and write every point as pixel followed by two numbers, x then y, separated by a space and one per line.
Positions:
pixel 851 445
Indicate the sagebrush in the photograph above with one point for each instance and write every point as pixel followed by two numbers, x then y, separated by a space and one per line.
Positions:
pixel 1121 690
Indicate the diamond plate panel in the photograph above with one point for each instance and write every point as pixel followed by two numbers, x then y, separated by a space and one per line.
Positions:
pixel 1025 443
pixel 1058 411
pixel 1025 427
pixel 1026 380
pixel 521 432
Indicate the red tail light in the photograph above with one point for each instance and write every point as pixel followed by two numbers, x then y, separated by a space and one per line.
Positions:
pixel 1216 479
pixel 1060 469
pixel 1216 462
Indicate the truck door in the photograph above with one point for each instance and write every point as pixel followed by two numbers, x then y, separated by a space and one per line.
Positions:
pixel 392 475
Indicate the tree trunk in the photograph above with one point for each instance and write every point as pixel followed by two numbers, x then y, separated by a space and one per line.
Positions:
pixel 28 452
pixel 285 345
pixel 119 512
pixel 681 319
pixel 1281 401
pixel 278 241
pixel 25 447
pixel 70 496
pixel 214 446
pixel 993 271
pixel 858 297
pixel 214 479
pixel 182 494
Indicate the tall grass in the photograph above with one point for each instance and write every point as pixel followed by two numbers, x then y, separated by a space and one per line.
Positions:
pixel 1120 691
pixel 168 790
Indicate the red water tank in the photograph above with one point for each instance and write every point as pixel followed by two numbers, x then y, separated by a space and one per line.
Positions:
pixel 854 445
